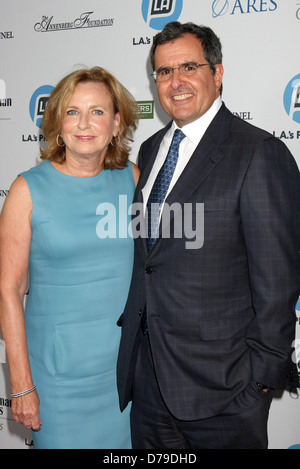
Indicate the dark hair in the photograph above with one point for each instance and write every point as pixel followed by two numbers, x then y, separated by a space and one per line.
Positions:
pixel 117 154
pixel 211 44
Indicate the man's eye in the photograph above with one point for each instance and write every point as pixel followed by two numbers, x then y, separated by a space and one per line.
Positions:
pixel 165 71
pixel 190 67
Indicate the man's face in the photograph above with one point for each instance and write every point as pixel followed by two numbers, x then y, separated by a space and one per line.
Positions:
pixel 186 98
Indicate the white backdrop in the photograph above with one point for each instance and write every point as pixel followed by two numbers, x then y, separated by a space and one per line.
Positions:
pixel 43 40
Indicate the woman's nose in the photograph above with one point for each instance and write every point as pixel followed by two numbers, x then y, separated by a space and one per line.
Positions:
pixel 83 121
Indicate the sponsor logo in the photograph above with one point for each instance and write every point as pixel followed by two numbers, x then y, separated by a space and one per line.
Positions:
pixel 5 402
pixel 233 7
pixel 5 102
pixel 38 103
pixel 6 35
pixel 287 134
pixel 291 103
pixel 146 109
pixel 37 107
pixel 157 13
pixel 291 99
pixel 4 405
pixel 84 21
pixel 141 41
pixel 219 8
pixel 244 115
pixel 298 11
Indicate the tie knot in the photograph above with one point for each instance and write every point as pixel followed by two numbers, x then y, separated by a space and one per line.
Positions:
pixel 178 137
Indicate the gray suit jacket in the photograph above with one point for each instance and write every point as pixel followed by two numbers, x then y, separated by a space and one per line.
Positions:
pixel 224 314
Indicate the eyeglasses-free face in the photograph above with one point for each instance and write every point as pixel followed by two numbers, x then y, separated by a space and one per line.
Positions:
pixel 188 87
pixel 90 121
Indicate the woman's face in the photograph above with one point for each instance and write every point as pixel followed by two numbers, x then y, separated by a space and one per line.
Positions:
pixel 89 122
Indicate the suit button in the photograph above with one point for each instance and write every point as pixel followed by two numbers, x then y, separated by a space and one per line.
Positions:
pixel 148 270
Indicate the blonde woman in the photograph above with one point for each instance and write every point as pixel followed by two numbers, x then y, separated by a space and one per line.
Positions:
pixel 62 356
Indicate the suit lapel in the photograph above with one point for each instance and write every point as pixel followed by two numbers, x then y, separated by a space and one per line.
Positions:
pixel 202 162
pixel 148 156
pixel 206 156
pixel 204 159
pixel 146 159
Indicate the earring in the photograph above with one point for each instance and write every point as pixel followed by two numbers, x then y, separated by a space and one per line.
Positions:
pixel 57 143
pixel 118 141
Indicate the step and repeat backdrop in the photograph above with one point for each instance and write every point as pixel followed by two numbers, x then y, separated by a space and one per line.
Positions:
pixel 43 40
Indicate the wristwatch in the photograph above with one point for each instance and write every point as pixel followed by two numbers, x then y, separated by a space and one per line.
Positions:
pixel 262 387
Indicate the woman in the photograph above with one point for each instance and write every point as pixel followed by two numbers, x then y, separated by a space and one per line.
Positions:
pixel 62 358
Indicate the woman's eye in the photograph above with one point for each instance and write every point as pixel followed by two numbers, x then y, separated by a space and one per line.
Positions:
pixel 97 112
pixel 71 112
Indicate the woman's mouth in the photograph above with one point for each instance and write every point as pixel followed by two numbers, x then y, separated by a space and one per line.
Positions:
pixel 84 138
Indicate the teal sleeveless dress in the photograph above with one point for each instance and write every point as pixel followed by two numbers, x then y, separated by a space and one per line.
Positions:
pixel 80 268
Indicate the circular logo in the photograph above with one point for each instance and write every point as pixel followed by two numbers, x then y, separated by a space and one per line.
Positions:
pixel 219 8
pixel 38 104
pixel 291 99
pixel 157 13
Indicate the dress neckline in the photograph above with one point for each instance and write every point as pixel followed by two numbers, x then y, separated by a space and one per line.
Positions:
pixel 84 178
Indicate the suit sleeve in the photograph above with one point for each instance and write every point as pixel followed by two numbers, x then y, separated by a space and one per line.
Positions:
pixel 270 218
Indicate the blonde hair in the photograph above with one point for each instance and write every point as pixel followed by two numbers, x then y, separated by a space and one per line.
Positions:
pixel 118 152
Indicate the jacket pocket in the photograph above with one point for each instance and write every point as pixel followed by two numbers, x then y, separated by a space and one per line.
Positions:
pixel 224 328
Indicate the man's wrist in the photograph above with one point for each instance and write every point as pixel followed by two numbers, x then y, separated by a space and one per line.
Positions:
pixel 263 387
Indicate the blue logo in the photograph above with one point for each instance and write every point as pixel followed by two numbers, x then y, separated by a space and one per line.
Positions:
pixel 294 447
pixel 157 13
pixel 291 99
pixel 219 7
pixel 38 103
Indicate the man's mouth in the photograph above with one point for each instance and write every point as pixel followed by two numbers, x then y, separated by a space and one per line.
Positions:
pixel 181 97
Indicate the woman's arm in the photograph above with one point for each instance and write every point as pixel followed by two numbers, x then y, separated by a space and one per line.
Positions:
pixel 15 237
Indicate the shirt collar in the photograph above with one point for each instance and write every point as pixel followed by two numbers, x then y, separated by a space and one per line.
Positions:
pixel 196 129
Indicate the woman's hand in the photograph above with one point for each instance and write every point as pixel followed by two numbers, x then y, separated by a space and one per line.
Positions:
pixel 26 410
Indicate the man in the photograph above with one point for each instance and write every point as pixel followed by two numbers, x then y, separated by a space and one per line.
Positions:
pixel 208 327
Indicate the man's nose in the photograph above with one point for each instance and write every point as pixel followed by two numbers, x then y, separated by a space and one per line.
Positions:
pixel 177 78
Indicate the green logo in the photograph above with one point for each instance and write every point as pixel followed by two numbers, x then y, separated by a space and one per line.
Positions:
pixel 146 109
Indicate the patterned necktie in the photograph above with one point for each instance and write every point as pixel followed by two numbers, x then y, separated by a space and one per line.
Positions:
pixel 160 188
